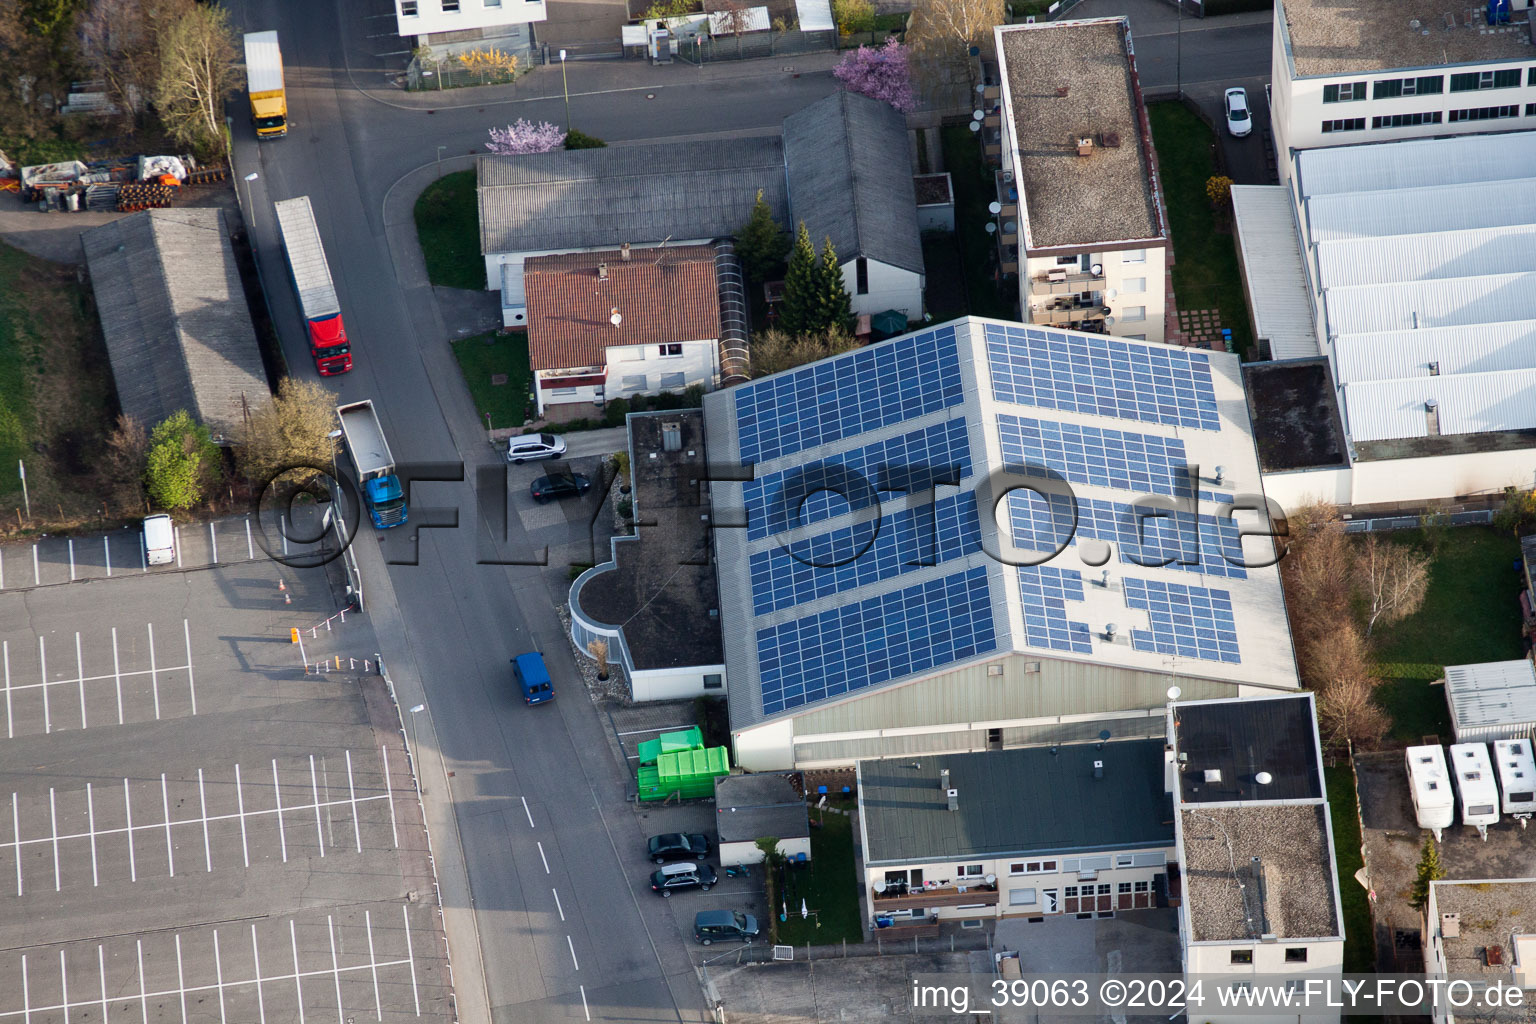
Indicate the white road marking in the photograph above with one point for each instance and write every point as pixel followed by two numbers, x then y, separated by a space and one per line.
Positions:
pixel 117 676
pixel 181 982
pixel 143 995
pixel 186 632
pixel 261 1003
pixel 584 1001
pixel 26 994
pixel 405 912
pixel 390 793
pixel 71 559
pixel 106 544
pixel 250 551
pixel 16 824
pixel 527 811
pixel 245 849
pixel 101 972
pixel 170 850
pixel 154 678
pixel 37 576
pixel 80 676
pixel 53 818
pixel 357 834
pixel 572 946
pixel 90 820
pixel 298 985
pixel 277 794
pixel 10 730
pixel 542 857
pixel 42 661
pixel 63 979
pixel 378 1010
pixel 213 540
pixel 314 783
pixel 202 797
pixel 330 926
pixel 557 905
pixel 133 868
pixel 218 967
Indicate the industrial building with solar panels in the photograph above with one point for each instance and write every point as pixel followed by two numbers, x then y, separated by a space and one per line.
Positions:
pixel 872 605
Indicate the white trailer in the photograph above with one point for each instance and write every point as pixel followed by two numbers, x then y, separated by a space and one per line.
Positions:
pixel 1475 784
pixel 1434 803
pixel 1517 778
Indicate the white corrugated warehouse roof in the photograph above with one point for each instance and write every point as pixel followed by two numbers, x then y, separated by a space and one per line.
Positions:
pixel 1276 283
pixel 1479 348
pixel 1424 253
pixel 1376 410
pixel 1423 257
pixel 1493 700
pixel 814 15
pixel 1414 305
pixel 1391 166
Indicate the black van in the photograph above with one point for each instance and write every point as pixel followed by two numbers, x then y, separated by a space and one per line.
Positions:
pixel 723 926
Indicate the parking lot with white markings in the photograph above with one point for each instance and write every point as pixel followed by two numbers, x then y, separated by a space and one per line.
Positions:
pixel 196 824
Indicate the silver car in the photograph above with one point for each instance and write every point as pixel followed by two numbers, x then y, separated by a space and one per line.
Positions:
pixel 1239 115
pixel 528 447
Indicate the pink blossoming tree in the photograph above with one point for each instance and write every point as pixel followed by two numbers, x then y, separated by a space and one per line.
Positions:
pixel 525 136
pixel 879 72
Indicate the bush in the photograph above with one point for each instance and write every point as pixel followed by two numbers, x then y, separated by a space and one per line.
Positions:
pixel 581 140
pixel 615 411
pixel 853 16
pixel 182 463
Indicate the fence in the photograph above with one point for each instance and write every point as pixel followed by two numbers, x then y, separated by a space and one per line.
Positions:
pixel 1479 518
pixel 450 73
pixel 703 49
pixel 882 943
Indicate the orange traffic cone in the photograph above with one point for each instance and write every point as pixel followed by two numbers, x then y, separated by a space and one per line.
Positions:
pixel 281 585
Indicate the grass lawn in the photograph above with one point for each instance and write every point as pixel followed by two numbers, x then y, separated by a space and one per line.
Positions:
pixel 1205 274
pixel 484 355
pixel 1470 614
pixel 1359 932
pixel 978 252
pixel 828 886
pixel 56 400
pixel 448 227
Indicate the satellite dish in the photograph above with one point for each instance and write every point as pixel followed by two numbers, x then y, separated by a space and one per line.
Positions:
pixel 991 228
pixel 1104 734
pixel 994 207
pixel 1010 227
pixel 1263 778
pixel 1109 321
pixel 991 879
pixel 975 126
pixel 1098 270
pixel 1174 693
pixel 978 114
pixel 1112 293
pixel 615 319
pixel 981 87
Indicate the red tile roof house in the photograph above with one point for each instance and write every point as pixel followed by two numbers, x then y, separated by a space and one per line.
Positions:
pixel 616 323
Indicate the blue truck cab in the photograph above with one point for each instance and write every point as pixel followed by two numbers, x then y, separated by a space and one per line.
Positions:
pixel 532 678
pixel 386 501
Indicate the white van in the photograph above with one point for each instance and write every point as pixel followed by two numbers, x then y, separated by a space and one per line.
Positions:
pixel 159 540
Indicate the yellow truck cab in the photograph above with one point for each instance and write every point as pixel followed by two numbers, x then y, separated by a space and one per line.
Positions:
pixel 264 78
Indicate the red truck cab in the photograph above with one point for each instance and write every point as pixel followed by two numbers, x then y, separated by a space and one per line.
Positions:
pixel 328 345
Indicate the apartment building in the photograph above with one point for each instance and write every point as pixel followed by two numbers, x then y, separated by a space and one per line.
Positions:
pixel 1081 207
pixel 1376 71
pixel 449 26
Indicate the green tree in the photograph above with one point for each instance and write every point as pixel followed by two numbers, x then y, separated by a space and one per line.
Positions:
pixel 761 243
pixel 197 73
pixel 835 304
pixel 289 432
pixel 182 462
pixel 47 18
pixel 798 312
pixel 1430 870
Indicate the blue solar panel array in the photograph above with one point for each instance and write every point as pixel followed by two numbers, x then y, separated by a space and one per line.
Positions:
pixel 862 390
pixel 854 556
pixel 1166 539
pixel 1045 591
pixel 906 464
pixel 1146 463
pixel 1190 622
pixel 881 638
pixel 1102 376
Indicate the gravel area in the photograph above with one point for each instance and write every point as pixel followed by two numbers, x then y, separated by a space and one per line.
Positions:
pixel 1105 196
pixel 1291 841
pixel 1339 37
pixel 1490 913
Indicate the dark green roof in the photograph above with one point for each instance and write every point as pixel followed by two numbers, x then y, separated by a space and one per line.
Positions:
pixel 1021 801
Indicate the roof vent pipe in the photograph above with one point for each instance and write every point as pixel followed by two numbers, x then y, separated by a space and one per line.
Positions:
pixel 954 799
pixel 944 778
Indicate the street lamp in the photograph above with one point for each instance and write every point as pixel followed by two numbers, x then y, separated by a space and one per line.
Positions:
pixel 566 88
pixel 248 200
pixel 440 160
pixel 415 761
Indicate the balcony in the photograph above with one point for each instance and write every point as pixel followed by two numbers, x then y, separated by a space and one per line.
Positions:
pixel 979 894
pixel 1053 283
pixel 1069 312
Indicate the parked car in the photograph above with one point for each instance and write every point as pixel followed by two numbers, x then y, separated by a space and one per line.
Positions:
pixel 677 846
pixel 159 540
pixel 559 485
pixel 669 878
pixel 528 447
pixel 1239 116
pixel 532 678
pixel 711 926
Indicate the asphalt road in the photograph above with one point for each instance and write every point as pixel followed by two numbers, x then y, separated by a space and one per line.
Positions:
pixel 537 829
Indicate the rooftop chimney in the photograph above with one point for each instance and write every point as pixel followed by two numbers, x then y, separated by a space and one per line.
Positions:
pixel 1062 90
pixel 1085 145
pixel 602 271
pixel 1098 769
pixel 954 799
pixel 624 252
pixel 944 778
pixel 1450 926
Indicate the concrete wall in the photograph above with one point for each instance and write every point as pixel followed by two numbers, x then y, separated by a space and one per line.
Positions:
pixel 767 747
pixel 736 854
pixel 699 364
pixel 431 17
pixel 675 684
pixel 1302 487
pixel 889 288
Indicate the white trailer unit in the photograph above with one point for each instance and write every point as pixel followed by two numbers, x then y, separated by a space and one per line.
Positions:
pixel 1433 801
pixel 1474 782
pixel 1517 777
